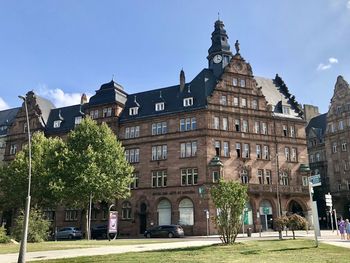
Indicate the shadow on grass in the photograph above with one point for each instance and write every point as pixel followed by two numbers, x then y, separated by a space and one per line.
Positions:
pixel 291 248
pixel 251 252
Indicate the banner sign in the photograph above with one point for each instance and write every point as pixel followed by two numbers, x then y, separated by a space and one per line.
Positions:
pixel 113 222
pixel 315 180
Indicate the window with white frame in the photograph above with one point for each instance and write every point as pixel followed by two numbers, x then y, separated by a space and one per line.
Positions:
pixel 234 81
pixel 260 174
pixel 305 180
pixel 294 155
pixel 132 155
pixel 215 176
pixel 286 154
pixel 188 124
pixel 244 176
pixel 70 215
pixel 226 147
pixel 159 128
pixel 268 177
pixel 318 157
pixel 235 101
pixel 256 127
pixel 285 130
pixel 188 149
pixel 188 102
pixel 245 153
pixel 224 123
pixel 126 210
pixel 264 128
pixel 186 213
pixel 286 110
pixel 49 214
pixel 159 178
pixel 135 181
pixel 159 152
pixel 238 150
pixel 284 180
pixel 341 125
pixel 344 146
pixel 57 124
pixel 292 131
pixel 242 83
pixel 133 111
pixel 94 114
pixel 258 151
pixel 243 102
pixel 189 176
pixel 217 145
pixel 13 149
pixel 311 158
pixel 159 106
pixel 244 126
pixel 77 120
pixel 223 100
pixel 334 147
pixel 266 152
pixel 237 125
pixel 255 104
pixel 132 132
pixel 216 123
pixel 107 112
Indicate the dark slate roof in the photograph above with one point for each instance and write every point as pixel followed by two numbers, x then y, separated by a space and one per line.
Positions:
pixel 45 106
pixel 6 119
pixel 318 124
pixel 199 88
pixel 67 115
pixel 110 92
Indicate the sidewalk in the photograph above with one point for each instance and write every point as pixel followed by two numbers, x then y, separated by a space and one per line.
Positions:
pixel 327 236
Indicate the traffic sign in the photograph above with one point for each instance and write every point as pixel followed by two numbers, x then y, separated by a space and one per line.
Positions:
pixel 315 180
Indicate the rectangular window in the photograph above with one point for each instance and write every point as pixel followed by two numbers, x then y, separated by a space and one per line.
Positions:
pixel 311 157
pixel 237 125
pixel 238 150
pixel 226 149
pixel 235 102
pixel 245 153
pixel 286 154
pixel 57 124
pixel 264 128
pixel 285 130
pixel 159 128
pixel 242 83
pixel 294 158
pixel 225 124
pixel 244 126
pixel 216 176
pixel 334 147
pixel 218 148
pixel 188 102
pixel 341 125
pixel 189 176
pixel 188 149
pixel 132 155
pixel 216 123
pixel 188 124
pixel 285 110
pixel 305 180
pixel 159 178
pixel 70 215
pixel 135 182
pixel 159 152
pixel 255 104
pixel 258 151
pixel 344 147
pixel 223 100
pixel 292 131
pixel 77 120
pixel 267 177
pixel 132 132
pixel 107 112
pixel 260 175
pixel 318 157
pixel 266 153
pixel 234 82
pixel 13 149
pixel 243 102
pixel 159 106
pixel 257 127
pixel 133 111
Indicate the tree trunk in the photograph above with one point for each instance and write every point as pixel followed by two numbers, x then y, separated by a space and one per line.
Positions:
pixel 293 234
pixel 280 234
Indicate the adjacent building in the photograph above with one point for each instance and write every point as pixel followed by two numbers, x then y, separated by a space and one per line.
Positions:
pixel 182 139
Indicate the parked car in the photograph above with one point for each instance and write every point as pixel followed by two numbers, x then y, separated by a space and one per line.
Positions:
pixel 100 232
pixel 165 231
pixel 69 233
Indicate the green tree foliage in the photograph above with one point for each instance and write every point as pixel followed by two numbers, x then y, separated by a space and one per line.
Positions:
pixel 281 222
pixel 296 222
pixel 3 237
pixel 48 158
pixel 38 228
pixel 229 198
pixel 96 165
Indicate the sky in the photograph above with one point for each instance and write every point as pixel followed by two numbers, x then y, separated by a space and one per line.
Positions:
pixel 63 48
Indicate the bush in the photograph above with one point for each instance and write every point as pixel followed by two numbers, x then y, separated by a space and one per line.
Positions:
pixel 38 228
pixel 3 237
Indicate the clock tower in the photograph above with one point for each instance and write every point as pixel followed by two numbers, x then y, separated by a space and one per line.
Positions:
pixel 219 52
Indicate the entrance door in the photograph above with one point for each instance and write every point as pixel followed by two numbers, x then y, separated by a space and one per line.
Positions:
pixel 143 218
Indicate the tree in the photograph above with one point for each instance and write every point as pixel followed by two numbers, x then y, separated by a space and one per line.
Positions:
pixel 280 223
pixel 296 222
pixel 229 198
pixel 96 166
pixel 48 158
pixel 38 229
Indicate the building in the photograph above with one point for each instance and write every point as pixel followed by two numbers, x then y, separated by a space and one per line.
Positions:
pixel 224 123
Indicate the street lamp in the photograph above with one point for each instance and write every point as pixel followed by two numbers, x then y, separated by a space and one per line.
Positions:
pixel 23 248
pixel 277 185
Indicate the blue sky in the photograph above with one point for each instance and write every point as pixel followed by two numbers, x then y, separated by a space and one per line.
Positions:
pixel 61 49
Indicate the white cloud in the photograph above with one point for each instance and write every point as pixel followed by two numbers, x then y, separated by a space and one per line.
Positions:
pixel 3 104
pixel 348 4
pixel 331 61
pixel 58 97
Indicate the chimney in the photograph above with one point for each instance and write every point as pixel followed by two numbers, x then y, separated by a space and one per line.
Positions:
pixel 182 80
pixel 83 99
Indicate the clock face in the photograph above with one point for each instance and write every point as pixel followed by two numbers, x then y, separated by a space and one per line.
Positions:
pixel 217 59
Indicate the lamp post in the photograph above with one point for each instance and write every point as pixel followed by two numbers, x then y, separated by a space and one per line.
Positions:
pixel 277 185
pixel 23 248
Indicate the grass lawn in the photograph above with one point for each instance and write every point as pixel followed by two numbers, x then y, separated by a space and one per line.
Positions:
pixel 300 250
pixel 59 245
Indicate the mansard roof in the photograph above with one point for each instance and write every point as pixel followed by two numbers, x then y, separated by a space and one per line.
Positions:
pixel 318 124
pixel 110 92
pixel 6 119
pixel 199 88
pixel 67 117
pixel 277 95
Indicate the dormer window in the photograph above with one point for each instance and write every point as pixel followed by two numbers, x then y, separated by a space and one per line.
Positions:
pixel 57 124
pixel 77 120
pixel 188 102
pixel 285 110
pixel 159 106
pixel 133 111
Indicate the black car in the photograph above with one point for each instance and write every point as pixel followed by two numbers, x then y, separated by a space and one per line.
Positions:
pixel 165 231
pixel 100 232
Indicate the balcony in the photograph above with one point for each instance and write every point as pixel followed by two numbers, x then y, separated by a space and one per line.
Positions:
pixel 285 189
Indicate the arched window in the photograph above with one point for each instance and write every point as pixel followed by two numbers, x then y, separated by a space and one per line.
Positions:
pixel 244 176
pixel 164 212
pixel 126 210
pixel 186 212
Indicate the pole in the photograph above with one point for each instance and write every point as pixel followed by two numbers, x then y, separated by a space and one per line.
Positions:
pixel 278 182
pixel 23 247
pixel 331 216
pixel 311 203
pixel 336 221
pixel 243 223
pixel 89 218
